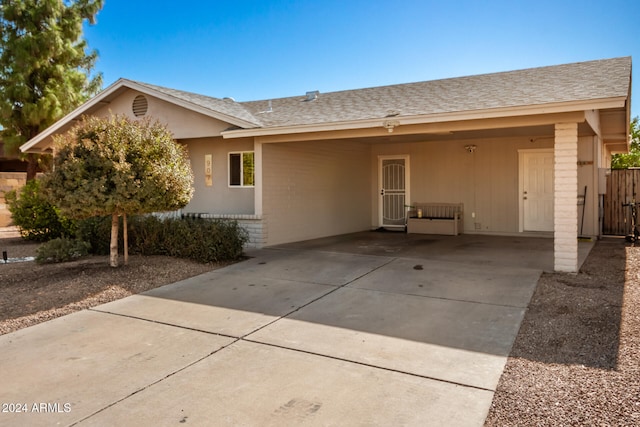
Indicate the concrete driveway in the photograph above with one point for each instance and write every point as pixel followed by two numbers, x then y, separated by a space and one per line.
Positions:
pixel 293 336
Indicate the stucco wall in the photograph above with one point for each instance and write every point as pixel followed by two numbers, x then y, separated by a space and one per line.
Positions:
pixel 315 189
pixel 486 181
pixel 182 122
pixel 219 198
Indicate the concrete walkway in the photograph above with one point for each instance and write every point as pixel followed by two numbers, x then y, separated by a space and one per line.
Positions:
pixel 289 337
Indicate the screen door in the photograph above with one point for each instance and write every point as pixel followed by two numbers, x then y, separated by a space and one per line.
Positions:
pixel 393 190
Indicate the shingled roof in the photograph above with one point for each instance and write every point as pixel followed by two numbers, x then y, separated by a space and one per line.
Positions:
pixel 559 87
pixel 225 106
pixel 581 81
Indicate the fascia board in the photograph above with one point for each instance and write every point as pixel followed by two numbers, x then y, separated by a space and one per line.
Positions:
pixel 433 118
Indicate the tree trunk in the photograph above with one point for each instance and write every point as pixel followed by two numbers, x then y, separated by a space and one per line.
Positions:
pixel 125 234
pixel 32 166
pixel 113 249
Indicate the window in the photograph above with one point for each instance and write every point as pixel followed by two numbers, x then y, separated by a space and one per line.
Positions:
pixel 241 169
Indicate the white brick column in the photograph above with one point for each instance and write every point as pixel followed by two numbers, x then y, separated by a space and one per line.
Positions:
pixel 565 213
pixel 257 174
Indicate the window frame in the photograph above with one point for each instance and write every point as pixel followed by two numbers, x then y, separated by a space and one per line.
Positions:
pixel 229 169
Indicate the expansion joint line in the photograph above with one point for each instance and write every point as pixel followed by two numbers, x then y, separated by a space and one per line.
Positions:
pixel 336 288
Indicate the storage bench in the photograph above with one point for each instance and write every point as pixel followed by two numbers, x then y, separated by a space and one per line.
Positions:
pixel 437 218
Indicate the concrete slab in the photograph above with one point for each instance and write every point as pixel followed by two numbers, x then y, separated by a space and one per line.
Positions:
pixel 342 334
pixel 502 286
pixel 529 250
pixel 462 342
pixel 81 363
pixel 230 301
pixel 328 268
pixel 251 384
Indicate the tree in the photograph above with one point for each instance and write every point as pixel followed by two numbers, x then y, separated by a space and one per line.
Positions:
pixel 631 159
pixel 116 166
pixel 45 69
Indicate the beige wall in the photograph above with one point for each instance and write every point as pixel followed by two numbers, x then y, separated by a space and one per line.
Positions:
pixel 315 189
pixel 486 181
pixel 218 198
pixel 321 188
pixel 588 176
pixel 182 122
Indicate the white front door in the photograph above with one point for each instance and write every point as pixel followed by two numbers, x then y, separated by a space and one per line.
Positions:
pixel 393 185
pixel 536 190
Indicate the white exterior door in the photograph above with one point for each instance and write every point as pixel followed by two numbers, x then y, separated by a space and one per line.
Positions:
pixel 537 190
pixel 394 190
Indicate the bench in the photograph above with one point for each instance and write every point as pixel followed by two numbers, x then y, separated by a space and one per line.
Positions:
pixel 436 218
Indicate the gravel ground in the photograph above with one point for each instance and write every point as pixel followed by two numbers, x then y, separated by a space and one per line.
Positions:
pixel 575 362
pixel 31 293
pixel 576 359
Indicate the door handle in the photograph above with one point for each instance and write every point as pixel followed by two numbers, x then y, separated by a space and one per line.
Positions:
pixel 382 192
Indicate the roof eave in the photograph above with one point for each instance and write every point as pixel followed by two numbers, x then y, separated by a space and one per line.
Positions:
pixel 492 113
pixel 191 106
pixel 32 146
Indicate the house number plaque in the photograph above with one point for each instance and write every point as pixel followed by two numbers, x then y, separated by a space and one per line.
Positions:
pixel 208 177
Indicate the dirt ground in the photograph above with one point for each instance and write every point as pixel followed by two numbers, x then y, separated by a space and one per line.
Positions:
pixel 575 362
pixel 576 359
pixel 31 293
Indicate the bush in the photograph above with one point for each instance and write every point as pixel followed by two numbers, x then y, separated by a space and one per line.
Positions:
pixel 96 232
pixel 61 250
pixel 147 235
pixel 35 217
pixel 202 240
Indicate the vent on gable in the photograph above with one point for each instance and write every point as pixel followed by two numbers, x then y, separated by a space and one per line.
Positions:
pixel 140 106
pixel 312 95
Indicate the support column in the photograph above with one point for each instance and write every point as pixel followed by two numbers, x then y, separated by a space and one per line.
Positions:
pixel 257 173
pixel 565 213
pixel 258 228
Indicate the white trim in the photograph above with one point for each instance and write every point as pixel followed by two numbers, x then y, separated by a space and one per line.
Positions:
pixel 241 169
pixel 527 110
pixel 521 153
pixel 407 182
pixel 257 178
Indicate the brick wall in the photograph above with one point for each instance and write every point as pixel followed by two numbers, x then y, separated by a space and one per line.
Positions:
pixel 566 197
pixel 9 181
pixel 253 224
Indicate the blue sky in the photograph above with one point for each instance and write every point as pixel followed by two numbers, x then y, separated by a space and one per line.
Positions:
pixel 253 50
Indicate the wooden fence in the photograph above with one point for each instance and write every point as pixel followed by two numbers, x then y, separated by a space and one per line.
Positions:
pixel 623 186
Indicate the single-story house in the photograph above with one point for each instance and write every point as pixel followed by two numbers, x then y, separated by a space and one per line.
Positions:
pixel 520 150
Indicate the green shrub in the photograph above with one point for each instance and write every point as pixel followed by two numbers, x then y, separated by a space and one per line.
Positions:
pixel 147 235
pixel 35 217
pixel 61 249
pixel 97 232
pixel 202 240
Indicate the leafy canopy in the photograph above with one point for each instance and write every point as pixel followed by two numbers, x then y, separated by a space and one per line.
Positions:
pixel 45 68
pixel 114 165
pixel 631 159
